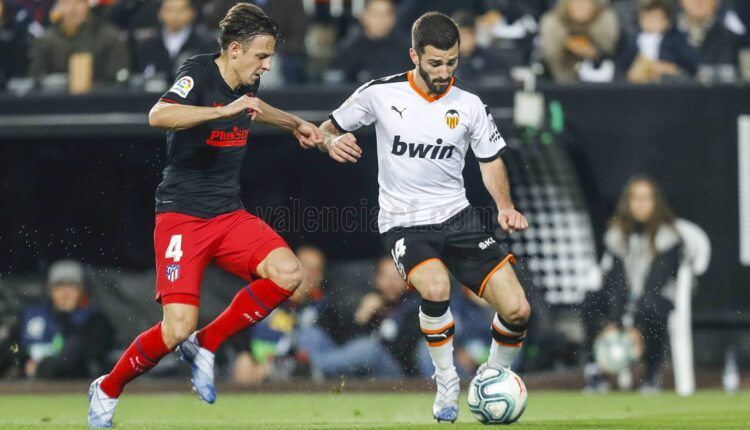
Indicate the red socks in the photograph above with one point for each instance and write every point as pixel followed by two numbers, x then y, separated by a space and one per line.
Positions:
pixel 250 306
pixel 143 354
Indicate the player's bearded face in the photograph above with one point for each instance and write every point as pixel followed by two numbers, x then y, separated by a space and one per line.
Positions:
pixel 255 58
pixel 437 85
pixel 437 67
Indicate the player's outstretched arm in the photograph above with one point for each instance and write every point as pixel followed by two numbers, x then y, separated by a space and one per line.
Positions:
pixel 495 179
pixel 175 116
pixel 308 135
pixel 342 147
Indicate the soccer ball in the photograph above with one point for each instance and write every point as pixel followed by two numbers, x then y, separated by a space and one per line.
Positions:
pixel 497 396
pixel 616 350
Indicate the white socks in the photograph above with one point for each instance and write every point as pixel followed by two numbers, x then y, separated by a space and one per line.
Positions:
pixel 438 331
pixel 506 343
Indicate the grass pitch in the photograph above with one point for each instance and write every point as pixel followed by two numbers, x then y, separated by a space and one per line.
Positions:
pixel 546 410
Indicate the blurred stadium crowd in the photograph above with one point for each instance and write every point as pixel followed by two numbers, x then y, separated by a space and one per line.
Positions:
pixel 77 45
pixel 318 333
pixel 321 332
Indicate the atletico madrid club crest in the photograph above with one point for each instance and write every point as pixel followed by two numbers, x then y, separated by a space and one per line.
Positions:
pixel 452 118
pixel 173 272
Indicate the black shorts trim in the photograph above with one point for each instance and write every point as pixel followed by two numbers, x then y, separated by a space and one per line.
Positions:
pixel 510 258
pixel 408 275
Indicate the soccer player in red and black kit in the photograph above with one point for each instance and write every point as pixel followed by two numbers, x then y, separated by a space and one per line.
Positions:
pixel 199 215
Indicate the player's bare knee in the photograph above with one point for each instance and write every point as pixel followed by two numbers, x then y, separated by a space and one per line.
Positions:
pixel 435 291
pixel 519 315
pixel 177 329
pixel 432 282
pixel 286 274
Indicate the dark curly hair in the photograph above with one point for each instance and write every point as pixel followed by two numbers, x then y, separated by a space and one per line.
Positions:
pixel 245 21
pixel 434 29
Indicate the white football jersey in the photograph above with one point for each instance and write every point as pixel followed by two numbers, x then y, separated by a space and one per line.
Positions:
pixel 422 145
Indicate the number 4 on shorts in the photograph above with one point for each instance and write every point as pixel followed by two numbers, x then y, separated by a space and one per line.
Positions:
pixel 174 250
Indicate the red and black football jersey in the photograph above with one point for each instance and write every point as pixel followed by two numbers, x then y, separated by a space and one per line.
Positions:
pixel 203 163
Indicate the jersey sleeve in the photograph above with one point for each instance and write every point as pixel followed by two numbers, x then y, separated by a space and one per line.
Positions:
pixel 484 136
pixel 355 112
pixel 188 85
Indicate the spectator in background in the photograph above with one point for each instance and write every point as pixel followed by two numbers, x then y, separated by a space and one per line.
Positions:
pixel 79 45
pixel 409 10
pixel 477 64
pixel 161 55
pixel 644 247
pixel 320 44
pixel 293 23
pixel 385 346
pixel 706 31
pixel 513 9
pixel 139 18
pixel 577 36
pixel 65 337
pixel 374 50
pixel 659 50
pixel 13 45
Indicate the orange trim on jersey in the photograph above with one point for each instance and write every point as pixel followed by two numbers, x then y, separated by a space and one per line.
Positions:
pixel 441 343
pixel 166 100
pixel 509 257
pixel 408 276
pixel 440 330
pixel 422 94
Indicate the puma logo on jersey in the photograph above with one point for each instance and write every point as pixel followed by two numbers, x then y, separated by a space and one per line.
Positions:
pixel 421 150
pixel 486 243
pixel 400 112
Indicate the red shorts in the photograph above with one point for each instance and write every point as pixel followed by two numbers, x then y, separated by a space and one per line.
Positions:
pixel 236 241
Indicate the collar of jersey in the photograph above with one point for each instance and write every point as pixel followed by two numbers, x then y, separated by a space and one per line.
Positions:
pixel 422 94
pixel 240 90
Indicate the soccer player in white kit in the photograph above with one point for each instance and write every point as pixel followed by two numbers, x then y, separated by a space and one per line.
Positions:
pixel 425 126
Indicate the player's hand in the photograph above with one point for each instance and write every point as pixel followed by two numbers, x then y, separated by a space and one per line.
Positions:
pixel 245 104
pixel 581 46
pixel 368 307
pixel 308 135
pixel 344 148
pixel 511 220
